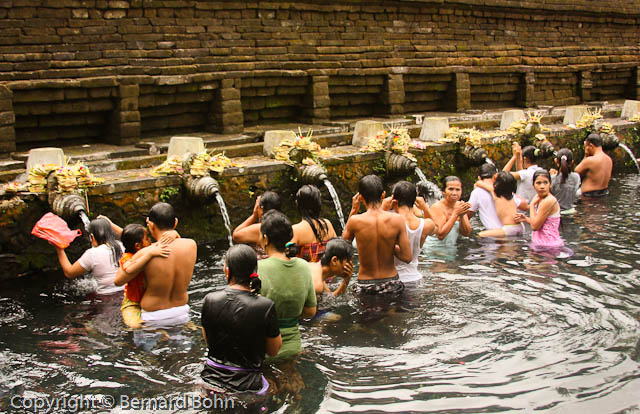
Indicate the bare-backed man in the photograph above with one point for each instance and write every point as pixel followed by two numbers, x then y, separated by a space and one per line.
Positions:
pixel 380 235
pixel 165 300
pixel 595 169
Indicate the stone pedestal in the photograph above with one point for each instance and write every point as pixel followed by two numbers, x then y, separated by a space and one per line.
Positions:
pixel 433 129
pixel 226 111
pixel 273 138
pixel 630 109
pixel 365 130
pixel 7 121
pixel 47 155
pixel 511 116
pixel 573 114
pixel 181 145
pixel 125 124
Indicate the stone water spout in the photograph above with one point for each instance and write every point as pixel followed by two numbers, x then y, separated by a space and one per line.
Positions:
pixel 546 148
pixel 397 164
pixel 69 206
pixel 307 174
pixel 476 155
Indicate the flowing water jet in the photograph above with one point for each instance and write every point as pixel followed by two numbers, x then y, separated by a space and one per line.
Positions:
pixel 206 188
pixel 633 157
pixel 225 216
pixel 336 202
pixel 420 174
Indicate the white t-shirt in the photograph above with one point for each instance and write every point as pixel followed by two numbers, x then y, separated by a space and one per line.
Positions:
pixel 408 272
pixel 482 202
pixel 525 185
pixel 97 261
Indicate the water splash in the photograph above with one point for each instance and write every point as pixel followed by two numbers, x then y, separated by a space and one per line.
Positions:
pixel 489 161
pixel 430 192
pixel 85 220
pixel 336 203
pixel 633 157
pixel 225 216
pixel 420 174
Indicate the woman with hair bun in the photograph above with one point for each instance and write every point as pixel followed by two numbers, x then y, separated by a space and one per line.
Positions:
pixel 286 280
pixel 566 183
pixel 312 233
pixel 239 326
pixel 525 160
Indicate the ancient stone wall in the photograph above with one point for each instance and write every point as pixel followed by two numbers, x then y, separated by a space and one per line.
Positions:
pixel 82 70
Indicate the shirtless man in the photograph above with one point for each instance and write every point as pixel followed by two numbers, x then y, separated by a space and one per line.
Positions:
pixel 595 169
pixel 165 299
pixel 248 232
pixel 380 235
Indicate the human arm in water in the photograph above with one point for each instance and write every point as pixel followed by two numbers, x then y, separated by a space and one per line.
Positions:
pixel 71 271
pixel 133 267
pixel 246 232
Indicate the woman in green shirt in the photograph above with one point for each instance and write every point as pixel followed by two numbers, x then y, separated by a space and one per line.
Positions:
pixel 286 281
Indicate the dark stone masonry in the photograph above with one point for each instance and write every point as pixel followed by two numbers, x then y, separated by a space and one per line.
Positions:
pixel 77 71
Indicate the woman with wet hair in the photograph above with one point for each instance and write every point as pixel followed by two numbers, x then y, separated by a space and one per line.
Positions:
pixel 525 161
pixel 286 280
pixel 239 327
pixel 312 233
pixel 450 214
pixel 101 260
pixel 565 183
pixel 248 232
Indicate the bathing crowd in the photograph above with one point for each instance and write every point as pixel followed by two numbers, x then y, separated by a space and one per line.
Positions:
pixel 276 271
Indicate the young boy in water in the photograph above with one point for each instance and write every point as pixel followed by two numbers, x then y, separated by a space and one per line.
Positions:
pixel 335 262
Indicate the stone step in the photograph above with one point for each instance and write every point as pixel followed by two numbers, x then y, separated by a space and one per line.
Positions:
pixel 8 165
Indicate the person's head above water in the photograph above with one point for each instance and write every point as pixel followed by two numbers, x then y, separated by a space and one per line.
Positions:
pixel 405 193
pixel 505 185
pixel 592 143
pixel 163 217
pixel 134 237
pixel 240 265
pixel 309 201
pixel 487 170
pixel 541 182
pixel 530 155
pixel 564 159
pixel 452 188
pixel 102 233
pixel 270 201
pixel 338 250
pixel 371 189
pixel 277 230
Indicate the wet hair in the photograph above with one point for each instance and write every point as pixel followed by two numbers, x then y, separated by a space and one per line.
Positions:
pixel 339 248
pixel 163 216
pixel 564 158
pixel 103 234
pixel 309 205
pixel 371 189
pixel 487 170
pixel 242 262
pixel 531 153
pixel 540 172
pixel 405 193
pixel 594 139
pixel 505 185
pixel 270 201
pixel 277 227
pixel 132 234
pixel 448 180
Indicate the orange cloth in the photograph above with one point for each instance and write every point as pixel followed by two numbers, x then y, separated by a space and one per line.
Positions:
pixel 312 252
pixel 134 289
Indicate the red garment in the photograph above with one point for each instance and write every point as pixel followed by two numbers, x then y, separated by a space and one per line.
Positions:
pixel 134 289
pixel 312 252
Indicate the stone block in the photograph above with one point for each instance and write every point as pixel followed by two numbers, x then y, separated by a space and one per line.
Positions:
pixel 365 130
pixel 47 155
pixel 128 91
pixel 181 145
pixel 434 128
pixel 273 138
pixel 573 114
pixel 511 116
pixel 630 109
pixel 7 118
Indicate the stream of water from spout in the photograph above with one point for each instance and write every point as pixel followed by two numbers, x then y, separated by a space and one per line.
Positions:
pixel 489 161
pixel 336 203
pixel 225 216
pixel 85 221
pixel 633 157
pixel 420 174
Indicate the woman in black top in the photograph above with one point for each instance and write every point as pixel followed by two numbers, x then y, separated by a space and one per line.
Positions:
pixel 239 326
